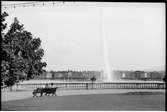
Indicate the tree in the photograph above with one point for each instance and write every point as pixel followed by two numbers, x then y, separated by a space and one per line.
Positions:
pixel 93 79
pixel 4 64
pixel 21 54
pixel 164 79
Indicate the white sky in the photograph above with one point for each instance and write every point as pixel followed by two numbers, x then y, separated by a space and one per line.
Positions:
pixel 70 34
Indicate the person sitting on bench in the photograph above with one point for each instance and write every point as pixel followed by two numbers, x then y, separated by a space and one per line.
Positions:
pixel 46 85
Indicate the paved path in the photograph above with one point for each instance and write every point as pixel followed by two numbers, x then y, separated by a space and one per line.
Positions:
pixel 16 95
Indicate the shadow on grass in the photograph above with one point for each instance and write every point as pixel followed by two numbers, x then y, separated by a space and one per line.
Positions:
pixel 144 93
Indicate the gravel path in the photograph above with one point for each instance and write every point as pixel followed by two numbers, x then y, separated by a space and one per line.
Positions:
pixel 16 95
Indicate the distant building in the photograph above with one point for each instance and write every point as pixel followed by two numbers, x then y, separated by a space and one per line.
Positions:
pixel 117 75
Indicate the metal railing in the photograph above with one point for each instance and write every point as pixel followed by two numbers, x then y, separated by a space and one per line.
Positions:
pixel 70 86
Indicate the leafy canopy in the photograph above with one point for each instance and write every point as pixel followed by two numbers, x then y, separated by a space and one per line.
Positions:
pixel 21 53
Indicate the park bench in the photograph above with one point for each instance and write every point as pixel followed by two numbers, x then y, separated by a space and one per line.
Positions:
pixel 47 91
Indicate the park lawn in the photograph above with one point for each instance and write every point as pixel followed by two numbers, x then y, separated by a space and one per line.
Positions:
pixel 89 102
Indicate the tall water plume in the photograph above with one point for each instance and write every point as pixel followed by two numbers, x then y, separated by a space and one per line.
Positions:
pixel 107 72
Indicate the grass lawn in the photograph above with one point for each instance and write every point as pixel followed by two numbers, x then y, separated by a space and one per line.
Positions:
pixel 101 102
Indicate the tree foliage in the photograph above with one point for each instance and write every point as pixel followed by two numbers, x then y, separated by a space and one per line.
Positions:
pixel 21 53
pixel 3 24
pixel 93 78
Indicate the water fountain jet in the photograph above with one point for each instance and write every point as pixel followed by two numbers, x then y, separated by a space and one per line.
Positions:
pixel 107 72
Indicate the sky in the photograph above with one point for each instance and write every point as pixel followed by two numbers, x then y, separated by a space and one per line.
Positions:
pixel 72 34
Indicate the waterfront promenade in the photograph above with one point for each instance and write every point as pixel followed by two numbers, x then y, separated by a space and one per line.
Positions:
pixel 126 100
pixel 17 95
pixel 84 99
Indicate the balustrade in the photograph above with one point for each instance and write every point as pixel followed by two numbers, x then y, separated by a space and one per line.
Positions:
pixel 92 85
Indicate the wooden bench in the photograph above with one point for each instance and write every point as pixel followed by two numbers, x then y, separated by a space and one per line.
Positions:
pixel 47 91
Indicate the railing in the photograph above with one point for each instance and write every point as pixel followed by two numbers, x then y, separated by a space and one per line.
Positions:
pixel 93 86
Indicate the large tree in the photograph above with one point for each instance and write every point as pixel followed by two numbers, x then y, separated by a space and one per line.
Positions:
pixel 21 53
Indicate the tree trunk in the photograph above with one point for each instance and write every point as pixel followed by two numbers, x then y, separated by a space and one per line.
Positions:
pixel 10 87
pixel 92 84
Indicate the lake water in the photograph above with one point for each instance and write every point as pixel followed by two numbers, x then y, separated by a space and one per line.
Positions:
pixel 69 81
